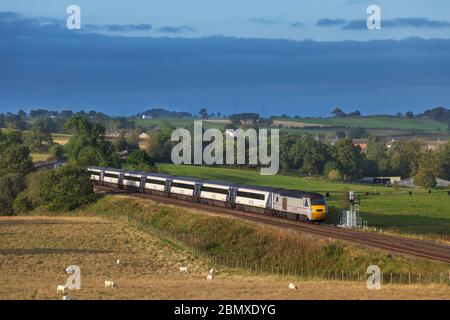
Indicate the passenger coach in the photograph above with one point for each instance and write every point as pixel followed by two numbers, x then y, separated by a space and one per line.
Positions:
pixel 290 204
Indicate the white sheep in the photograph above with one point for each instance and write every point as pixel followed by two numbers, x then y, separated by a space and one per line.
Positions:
pixel 109 284
pixel 183 269
pixel 61 288
pixel 210 275
pixel 119 263
pixel 66 297
pixel 292 286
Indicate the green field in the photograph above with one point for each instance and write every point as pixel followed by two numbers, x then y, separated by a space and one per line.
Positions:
pixel 39 157
pixel 176 122
pixel 419 213
pixel 377 122
pixel 61 138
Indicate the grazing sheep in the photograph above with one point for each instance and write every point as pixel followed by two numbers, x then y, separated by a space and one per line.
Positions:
pixel 209 276
pixel 381 230
pixel 119 263
pixel 61 288
pixel 292 286
pixel 109 284
pixel 212 271
pixel 66 297
pixel 184 269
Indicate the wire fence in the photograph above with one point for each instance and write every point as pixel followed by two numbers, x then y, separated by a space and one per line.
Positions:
pixel 190 243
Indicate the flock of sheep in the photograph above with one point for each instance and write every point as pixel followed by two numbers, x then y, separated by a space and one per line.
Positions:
pixel 110 284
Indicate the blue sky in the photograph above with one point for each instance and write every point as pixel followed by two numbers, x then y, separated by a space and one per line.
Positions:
pixel 291 56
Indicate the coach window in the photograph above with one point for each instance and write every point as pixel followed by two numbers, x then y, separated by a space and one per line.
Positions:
pixel 306 204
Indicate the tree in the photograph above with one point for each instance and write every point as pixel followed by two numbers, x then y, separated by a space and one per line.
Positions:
pixel 405 157
pixel 439 162
pixel 10 185
pixel 121 142
pixel 309 155
pixel 356 113
pixel 158 145
pixel 140 160
pixel 335 175
pixel 133 140
pixel 409 115
pixel 340 134
pixel 338 113
pixel 377 153
pixel 425 178
pixel 358 133
pixel 40 140
pixel 56 152
pixel 348 157
pixel 46 124
pixel 88 145
pixel 14 156
pixel 65 188
pixel 203 113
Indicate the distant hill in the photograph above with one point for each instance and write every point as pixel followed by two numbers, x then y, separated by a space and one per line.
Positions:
pixel 163 113
pixel 375 122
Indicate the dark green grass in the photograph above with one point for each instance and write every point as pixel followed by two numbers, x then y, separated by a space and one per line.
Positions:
pixel 396 210
pixel 377 122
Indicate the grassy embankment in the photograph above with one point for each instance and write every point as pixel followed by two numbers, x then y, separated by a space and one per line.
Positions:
pixel 34 251
pixel 421 213
pixel 243 244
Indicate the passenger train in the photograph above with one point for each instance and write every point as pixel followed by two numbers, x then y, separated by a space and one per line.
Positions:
pixel 290 204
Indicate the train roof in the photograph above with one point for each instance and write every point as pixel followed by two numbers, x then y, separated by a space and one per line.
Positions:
pixel 280 191
pixel 257 188
pixel 186 178
pixel 220 183
pixel 297 193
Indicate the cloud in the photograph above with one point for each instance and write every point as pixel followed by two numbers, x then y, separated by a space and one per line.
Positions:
pixel 416 23
pixel 398 23
pixel 6 15
pixel 330 22
pixel 173 29
pixel 356 25
pixel 265 21
pixel 119 27
pixel 52 66
pixel 297 24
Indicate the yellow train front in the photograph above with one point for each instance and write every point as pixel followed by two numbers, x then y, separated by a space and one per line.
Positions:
pixel 300 205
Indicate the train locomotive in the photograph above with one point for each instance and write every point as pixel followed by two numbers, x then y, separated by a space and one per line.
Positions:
pixel 290 204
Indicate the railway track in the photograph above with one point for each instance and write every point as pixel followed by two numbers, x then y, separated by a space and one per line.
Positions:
pixel 413 247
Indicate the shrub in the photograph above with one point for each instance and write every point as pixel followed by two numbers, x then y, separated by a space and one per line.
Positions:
pixel 21 204
pixel 10 186
pixel 56 152
pixel 65 188
pixel 425 178
pixel 140 160
pixel 335 175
